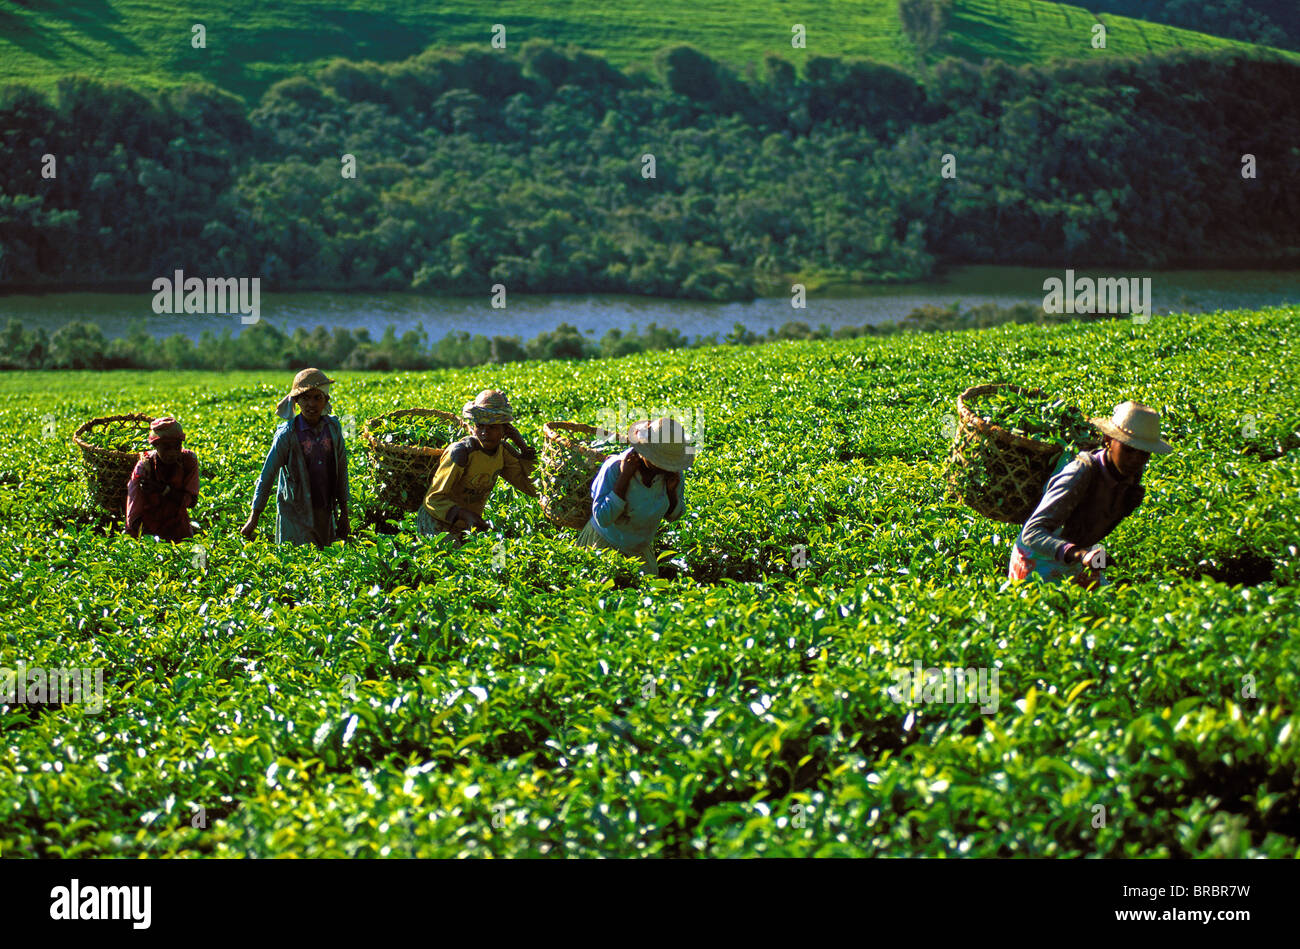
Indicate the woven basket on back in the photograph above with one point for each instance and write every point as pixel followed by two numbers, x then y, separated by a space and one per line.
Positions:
pixel 996 472
pixel 109 470
pixel 566 470
pixel 404 472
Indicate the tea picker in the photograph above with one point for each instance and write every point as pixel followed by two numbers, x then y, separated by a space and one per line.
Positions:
pixel 164 485
pixel 1087 498
pixel 308 467
pixel 637 489
pixel 468 470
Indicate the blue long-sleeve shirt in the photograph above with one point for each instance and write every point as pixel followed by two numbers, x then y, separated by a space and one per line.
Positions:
pixel 286 469
pixel 631 523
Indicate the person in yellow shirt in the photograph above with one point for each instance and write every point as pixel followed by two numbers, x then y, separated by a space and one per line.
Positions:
pixel 469 468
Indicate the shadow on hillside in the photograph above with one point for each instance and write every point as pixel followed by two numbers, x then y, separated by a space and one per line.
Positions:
pixel 20 32
pixel 244 63
pixel 975 38
pixel 90 18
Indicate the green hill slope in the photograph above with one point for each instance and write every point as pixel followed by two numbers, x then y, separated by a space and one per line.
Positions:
pixel 252 43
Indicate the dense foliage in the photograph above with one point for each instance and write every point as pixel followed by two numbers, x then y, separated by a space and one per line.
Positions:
pixel 1045 419
pixel 526 169
pixel 520 696
pixel 119 437
pixel 416 431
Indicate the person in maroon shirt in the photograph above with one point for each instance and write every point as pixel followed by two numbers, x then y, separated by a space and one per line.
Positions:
pixel 164 485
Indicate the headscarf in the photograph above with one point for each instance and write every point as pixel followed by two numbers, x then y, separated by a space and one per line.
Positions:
pixel 165 429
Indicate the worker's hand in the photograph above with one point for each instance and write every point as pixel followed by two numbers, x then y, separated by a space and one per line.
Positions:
pixel 508 429
pixel 152 486
pixel 468 520
pixel 1094 558
pixel 249 530
pixel 630 466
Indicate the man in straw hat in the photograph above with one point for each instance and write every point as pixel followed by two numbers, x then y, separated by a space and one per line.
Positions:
pixel 164 485
pixel 309 463
pixel 635 490
pixel 469 468
pixel 1086 500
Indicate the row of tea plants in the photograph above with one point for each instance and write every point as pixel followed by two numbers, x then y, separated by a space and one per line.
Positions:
pixel 518 695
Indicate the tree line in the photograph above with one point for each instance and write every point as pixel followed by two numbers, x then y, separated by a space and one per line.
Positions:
pixel 82 345
pixel 529 169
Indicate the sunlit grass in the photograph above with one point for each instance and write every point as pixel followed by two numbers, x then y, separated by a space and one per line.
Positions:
pixel 253 43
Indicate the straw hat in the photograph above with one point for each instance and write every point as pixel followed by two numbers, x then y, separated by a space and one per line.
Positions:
pixel 490 407
pixel 165 429
pixel 1137 426
pixel 305 381
pixel 310 379
pixel 662 443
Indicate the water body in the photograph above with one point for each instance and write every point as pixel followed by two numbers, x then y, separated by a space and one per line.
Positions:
pixel 527 316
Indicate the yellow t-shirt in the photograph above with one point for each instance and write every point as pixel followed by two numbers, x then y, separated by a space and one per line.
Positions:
pixel 467 474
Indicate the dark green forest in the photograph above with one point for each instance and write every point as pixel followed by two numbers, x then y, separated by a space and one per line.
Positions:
pixel 476 167
pixel 1267 22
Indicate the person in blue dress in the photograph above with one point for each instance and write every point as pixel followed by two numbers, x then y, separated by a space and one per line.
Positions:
pixel 638 489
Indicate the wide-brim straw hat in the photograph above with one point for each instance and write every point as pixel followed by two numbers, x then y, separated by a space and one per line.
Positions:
pixel 1137 426
pixel 490 407
pixel 663 444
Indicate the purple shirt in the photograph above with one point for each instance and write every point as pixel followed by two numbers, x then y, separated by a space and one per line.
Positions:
pixel 318 449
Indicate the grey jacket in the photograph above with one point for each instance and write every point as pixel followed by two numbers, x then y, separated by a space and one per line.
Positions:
pixel 293 508
pixel 1081 504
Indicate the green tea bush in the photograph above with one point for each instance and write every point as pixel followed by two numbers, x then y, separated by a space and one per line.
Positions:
pixel 1038 418
pixel 394 695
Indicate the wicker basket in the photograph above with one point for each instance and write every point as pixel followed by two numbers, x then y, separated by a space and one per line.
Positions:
pixel 997 473
pixel 567 468
pixel 109 470
pixel 403 472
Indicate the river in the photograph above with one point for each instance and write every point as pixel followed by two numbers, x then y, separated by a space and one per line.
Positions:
pixel 527 316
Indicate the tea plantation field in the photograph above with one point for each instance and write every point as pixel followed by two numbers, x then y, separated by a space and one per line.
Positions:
pixel 518 696
pixel 251 44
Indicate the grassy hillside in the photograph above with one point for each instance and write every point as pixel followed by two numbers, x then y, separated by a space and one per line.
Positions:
pixel 521 696
pixel 252 43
